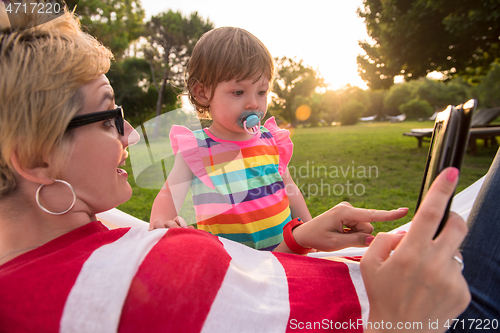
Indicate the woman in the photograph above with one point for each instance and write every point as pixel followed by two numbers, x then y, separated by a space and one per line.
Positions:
pixel 62 141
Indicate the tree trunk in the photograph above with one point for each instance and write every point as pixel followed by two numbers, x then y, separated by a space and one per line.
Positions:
pixel 159 103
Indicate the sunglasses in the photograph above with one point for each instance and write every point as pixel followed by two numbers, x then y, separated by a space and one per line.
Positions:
pixel 94 117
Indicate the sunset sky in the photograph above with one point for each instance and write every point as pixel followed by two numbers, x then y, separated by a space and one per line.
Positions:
pixel 323 33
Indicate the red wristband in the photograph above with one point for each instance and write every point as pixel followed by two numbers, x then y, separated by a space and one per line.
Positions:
pixel 290 241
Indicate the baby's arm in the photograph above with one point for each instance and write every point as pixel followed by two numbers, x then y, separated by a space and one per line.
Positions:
pixel 296 200
pixel 169 200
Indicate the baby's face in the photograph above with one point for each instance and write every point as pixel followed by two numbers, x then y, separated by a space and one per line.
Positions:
pixel 232 98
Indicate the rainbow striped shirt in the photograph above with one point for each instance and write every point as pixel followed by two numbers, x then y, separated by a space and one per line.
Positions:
pixel 238 189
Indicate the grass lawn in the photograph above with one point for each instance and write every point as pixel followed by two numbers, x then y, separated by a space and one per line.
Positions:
pixel 369 165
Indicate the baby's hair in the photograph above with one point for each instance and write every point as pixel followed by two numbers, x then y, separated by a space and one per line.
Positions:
pixel 224 54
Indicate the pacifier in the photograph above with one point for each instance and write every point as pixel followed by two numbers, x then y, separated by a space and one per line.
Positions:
pixel 250 121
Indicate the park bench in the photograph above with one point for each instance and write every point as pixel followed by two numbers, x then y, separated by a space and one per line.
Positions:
pixel 420 134
pixel 480 129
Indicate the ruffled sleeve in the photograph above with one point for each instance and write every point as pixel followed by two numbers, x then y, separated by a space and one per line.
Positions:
pixel 183 140
pixel 283 141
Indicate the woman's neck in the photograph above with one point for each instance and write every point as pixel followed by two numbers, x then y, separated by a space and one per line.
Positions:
pixel 24 227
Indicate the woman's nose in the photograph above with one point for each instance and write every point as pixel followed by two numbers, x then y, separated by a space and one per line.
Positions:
pixel 131 136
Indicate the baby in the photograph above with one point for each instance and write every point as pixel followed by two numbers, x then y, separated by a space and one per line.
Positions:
pixel 237 169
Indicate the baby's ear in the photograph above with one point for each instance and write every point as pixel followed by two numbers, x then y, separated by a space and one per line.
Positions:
pixel 201 93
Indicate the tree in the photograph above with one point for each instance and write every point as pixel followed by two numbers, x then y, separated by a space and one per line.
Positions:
pixel 330 103
pixel 294 85
pixel 413 38
pixel 350 112
pixel 132 83
pixel 416 109
pixel 488 89
pixel 398 94
pixel 373 70
pixel 441 94
pixel 115 23
pixel 375 103
pixel 171 39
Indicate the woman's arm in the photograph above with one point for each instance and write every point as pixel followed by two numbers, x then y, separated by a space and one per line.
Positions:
pixel 326 232
pixel 409 278
pixel 420 281
pixel 169 200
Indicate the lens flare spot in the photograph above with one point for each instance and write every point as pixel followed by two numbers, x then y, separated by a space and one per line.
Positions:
pixel 303 112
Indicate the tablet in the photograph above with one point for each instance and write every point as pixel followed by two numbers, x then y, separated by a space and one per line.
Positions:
pixel 448 146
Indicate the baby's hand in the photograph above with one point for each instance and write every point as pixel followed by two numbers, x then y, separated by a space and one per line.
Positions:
pixel 177 222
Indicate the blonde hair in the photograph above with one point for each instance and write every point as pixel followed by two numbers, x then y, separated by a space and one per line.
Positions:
pixel 224 54
pixel 41 71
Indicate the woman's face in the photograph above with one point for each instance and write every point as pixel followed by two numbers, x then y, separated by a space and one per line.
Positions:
pixel 98 152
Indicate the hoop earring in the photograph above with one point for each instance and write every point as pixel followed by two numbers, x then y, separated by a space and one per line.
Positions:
pixel 37 197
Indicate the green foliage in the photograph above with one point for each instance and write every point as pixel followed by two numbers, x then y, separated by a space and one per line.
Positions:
pixel 294 83
pixel 116 23
pixel 317 110
pixel 399 94
pixel 350 112
pixel 440 94
pixel 413 38
pixel 436 94
pixel 489 89
pixel 329 105
pixel 433 92
pixel 376 102
pixel 416 109
pixel 331 101
pixel 132 83
pixel 373 70
pixel 171 39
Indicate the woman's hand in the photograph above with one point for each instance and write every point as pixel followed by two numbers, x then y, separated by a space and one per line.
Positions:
pixel 342 226
pixel 420 282
pixel 177 222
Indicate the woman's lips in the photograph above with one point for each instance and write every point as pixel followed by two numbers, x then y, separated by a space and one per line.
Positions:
pixel 122 172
